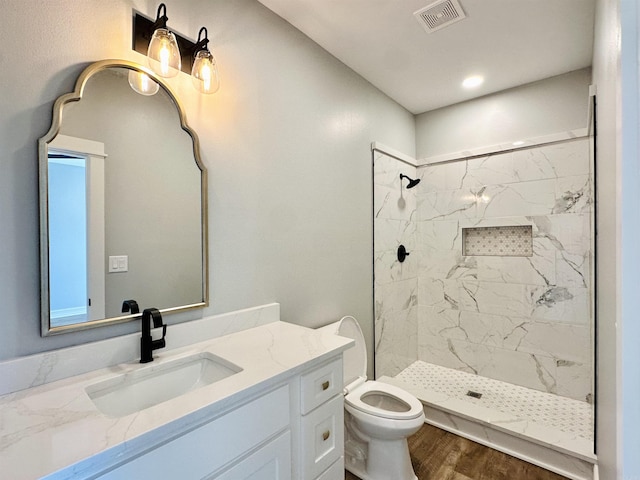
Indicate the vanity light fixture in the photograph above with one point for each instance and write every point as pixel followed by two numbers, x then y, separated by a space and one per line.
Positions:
pixel 170 52
pixel 163 52
pixel 204 73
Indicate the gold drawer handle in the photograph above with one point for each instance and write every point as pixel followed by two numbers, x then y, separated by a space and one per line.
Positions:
pixel 325 385
pixel 326 435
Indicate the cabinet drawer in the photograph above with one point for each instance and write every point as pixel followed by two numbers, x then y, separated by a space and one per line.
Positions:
pixel 320 385
pixel 322 436
pixel 334 472
pixel 271 462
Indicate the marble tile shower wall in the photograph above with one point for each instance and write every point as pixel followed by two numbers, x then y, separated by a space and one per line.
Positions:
pixel 395 283
pixel 523 320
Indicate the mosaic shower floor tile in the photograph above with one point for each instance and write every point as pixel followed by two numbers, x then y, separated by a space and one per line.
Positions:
pixel 560 413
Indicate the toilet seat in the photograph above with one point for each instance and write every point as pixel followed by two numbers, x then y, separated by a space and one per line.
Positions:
pixel 392 402
pixel 410 406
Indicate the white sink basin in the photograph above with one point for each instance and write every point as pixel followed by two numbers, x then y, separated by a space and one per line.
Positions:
pixel 153 384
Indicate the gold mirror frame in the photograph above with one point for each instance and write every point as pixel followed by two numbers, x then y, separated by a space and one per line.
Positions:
pixel 58 108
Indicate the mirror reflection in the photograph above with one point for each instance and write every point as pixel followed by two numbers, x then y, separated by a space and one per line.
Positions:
pixel 124 204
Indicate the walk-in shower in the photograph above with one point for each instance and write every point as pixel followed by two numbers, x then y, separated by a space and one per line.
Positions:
pixel 496 297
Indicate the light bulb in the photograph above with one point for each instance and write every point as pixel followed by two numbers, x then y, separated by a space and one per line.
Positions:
pixel 206 76
pixel 204 73
pixel 164 58
pixel 142 84
pixel 164 54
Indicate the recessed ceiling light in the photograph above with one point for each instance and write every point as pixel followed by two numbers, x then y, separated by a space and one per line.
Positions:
pixel 517 143
pixel 472 82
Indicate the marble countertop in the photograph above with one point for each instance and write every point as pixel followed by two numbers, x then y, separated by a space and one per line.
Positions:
pixel 55 430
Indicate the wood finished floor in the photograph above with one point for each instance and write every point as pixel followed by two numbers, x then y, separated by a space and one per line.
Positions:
pixel 440 455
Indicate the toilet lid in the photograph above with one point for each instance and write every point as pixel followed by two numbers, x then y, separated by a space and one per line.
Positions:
pixel 384 400
pixel 355 358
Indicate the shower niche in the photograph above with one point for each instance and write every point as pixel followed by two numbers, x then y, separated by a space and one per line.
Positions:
pixel 513 241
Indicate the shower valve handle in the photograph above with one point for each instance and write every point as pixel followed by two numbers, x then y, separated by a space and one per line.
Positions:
pixel 402 253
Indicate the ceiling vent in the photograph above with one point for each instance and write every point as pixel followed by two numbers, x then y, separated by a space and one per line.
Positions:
pixel 439 15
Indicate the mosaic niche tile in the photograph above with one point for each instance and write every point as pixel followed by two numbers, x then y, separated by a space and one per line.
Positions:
pixel 507 241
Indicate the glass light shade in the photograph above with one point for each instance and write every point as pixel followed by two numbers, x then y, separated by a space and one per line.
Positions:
pixel 164 54
pixel 142 84
pixel 204 73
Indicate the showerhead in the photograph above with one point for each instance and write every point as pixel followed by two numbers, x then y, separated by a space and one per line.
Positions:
pixel 412 183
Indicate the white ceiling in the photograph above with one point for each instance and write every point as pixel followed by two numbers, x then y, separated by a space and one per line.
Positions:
pixel 509 42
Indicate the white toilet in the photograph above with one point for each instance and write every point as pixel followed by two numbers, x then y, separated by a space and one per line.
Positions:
pixel 378 417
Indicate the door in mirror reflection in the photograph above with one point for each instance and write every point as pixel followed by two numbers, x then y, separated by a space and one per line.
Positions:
pixel 67 239
pixel 76 218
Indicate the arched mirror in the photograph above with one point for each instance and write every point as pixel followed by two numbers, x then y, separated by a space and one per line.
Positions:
pixel 123 202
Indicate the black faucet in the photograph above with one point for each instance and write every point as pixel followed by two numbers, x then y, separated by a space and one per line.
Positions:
pixel 147 344
pixel 130 306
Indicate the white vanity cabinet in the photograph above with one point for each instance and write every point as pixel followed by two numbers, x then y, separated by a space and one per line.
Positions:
pixel 293 432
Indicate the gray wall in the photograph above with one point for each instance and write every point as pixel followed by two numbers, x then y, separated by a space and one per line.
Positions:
pixel 552 105
pixel 630 113
pixel 286 141
pixel 608 201
pixel 615 68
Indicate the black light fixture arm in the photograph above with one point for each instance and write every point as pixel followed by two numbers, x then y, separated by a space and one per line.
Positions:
pixel 161 20
pixel 201 44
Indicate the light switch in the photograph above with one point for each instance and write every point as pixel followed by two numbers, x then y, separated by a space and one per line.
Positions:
pixel 118 263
